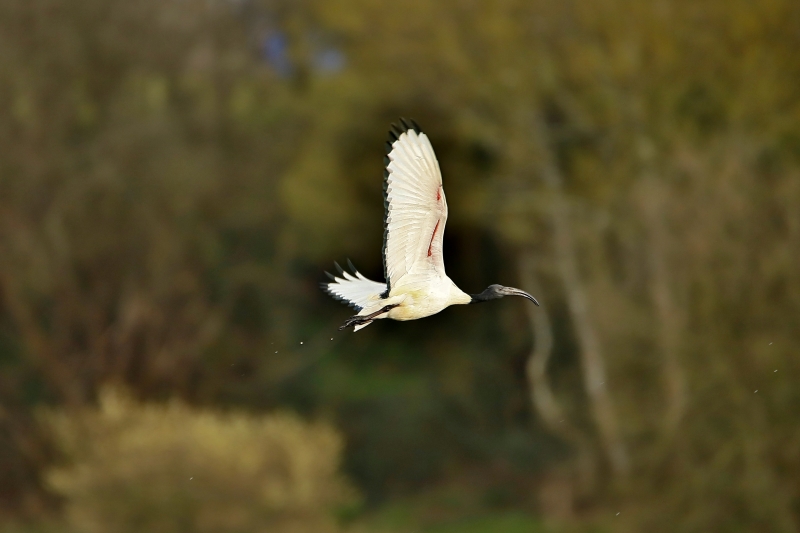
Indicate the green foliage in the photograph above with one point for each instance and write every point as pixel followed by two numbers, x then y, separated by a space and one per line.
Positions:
pixel 166 468
pixel 507 523
pixel 460 507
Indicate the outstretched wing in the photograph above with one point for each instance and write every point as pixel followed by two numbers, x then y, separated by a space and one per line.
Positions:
pixel 353 289
pixel 415 206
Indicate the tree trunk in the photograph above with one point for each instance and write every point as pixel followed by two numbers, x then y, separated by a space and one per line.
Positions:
pixel 543 400
pixel 667 314
pixel 592 362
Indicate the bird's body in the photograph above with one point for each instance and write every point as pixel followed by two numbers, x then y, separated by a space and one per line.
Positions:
pixel 424 298
pixel 416 213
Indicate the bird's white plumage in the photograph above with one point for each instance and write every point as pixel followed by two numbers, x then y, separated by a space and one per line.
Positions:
pixel 416 211
pixel 355 289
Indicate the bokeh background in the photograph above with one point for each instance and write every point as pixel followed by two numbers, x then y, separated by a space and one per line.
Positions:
pixel 176 175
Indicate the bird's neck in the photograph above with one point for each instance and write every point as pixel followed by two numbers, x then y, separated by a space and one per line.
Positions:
pixel 485 296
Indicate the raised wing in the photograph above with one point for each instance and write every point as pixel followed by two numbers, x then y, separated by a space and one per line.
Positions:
pixel 353 289
pixel 416 209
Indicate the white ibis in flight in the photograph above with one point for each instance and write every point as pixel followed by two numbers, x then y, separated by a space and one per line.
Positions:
pixel 414 217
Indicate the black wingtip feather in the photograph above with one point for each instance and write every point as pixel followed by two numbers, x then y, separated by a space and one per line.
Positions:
pixel 385 219
pixel 352 268
pixel 339 268
pixel 409 124
pixel 331 276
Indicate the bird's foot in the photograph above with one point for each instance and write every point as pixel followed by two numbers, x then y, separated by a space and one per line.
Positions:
pixel 357 320
pixel 354 321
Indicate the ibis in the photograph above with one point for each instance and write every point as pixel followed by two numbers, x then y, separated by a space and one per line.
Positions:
pixel 415 213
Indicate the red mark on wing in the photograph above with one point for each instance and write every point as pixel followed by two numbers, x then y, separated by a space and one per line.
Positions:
pixel 430 246
pixel 438 194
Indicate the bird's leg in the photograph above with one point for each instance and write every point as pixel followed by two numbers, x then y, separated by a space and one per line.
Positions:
pixel 358 319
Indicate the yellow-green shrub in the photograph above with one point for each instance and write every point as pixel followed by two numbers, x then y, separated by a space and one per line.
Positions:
pixel 168 468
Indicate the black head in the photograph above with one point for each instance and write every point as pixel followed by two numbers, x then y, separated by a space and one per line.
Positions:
pixel 493 292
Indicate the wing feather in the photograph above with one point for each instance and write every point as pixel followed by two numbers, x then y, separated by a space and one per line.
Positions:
pixel 416 208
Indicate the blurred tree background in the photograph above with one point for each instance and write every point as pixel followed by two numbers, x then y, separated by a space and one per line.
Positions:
pixel 174 176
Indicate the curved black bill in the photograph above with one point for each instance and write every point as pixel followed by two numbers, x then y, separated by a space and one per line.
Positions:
pixel 516 292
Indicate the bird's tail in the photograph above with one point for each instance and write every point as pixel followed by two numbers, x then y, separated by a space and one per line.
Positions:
pixel 353 289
